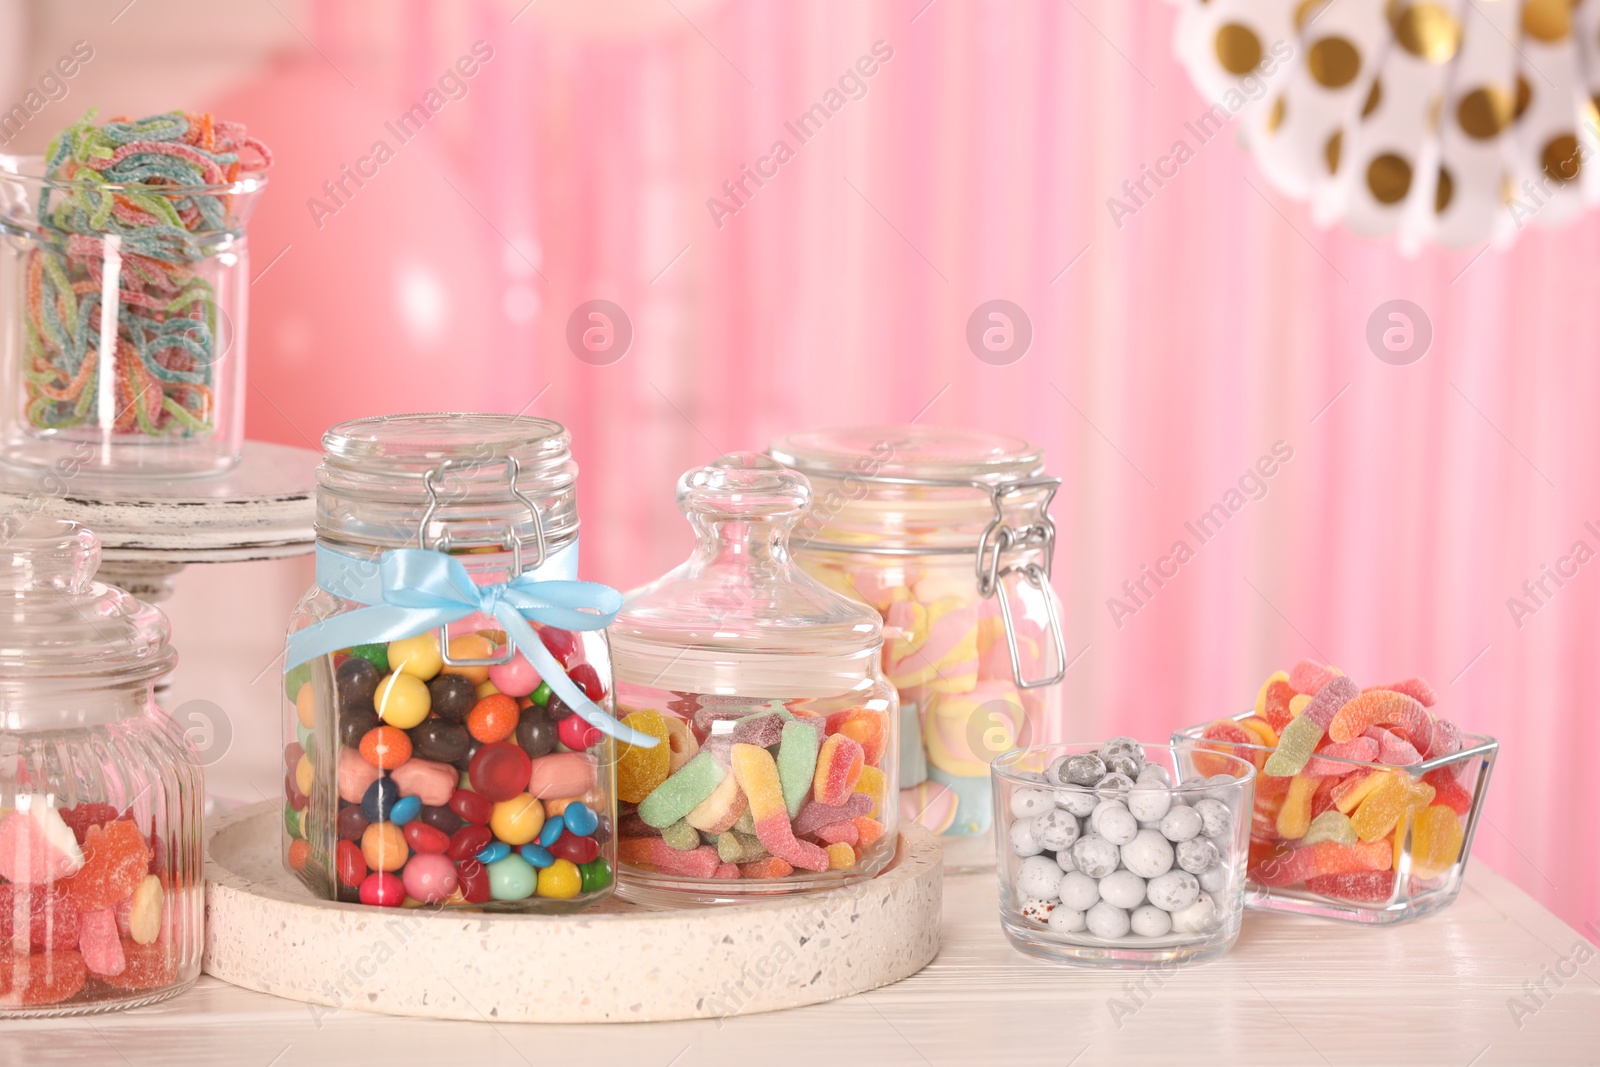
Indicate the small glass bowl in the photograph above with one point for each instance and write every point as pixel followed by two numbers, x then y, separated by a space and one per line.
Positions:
pixel 1028 787
pixel 1429 844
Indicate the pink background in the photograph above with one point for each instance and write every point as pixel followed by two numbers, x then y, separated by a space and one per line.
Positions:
pixel 1168 354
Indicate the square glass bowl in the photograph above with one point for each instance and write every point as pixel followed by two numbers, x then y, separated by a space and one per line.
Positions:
pixel 1168 883
pixel 1410 847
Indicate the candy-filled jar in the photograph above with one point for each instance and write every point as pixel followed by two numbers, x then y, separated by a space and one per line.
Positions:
pixel 448 685
pixel 776 771
pixel 101 897
pixel 946 533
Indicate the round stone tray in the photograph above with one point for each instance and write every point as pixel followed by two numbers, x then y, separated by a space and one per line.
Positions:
pixel 616 962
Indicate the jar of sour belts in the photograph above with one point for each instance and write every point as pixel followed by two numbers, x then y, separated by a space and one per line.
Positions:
pixel 124 277
pixel 101 897
pixel 449 740
pixel 776 768
pixel 947 534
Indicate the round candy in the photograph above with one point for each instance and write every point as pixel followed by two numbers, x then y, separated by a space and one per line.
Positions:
pixel 595 875
pixel 1064 860
pixel 494 718
pixel 536 733
pixel 1085 769
pixel 577 734
pixel 537 855
pixel 581 819
pixel 405 809
pixel 1076 801
pixel 467 757
pixel 1023 843
pixel 1055 829
pixel 294 679
pixel 556 709
pixel 355 680
pixel 1114 785
pixel 429 878
pixel 441 818
pixel 1078 891
pixel 379 799
pixel 512 878
pixel 427 839
pixel 1148 854
pixel 1038 876
pixel 468 841
pixel 1215 818
pixel 417 656
pixel 1198 855
pixel 552 831
pixel 351 864
pixel 518 820
pixel 1173 891
pixel 351 824
pixel 1126 766
pixel 469 646
pixel 541 695
pixel 383 845
pixel 494 850
pixel 302 775
pixel 473 881
pixel 1065 920
pixel 585 677
pixel 305 705
pixel 354 725
pixel 452 696
pixel 1095 856
pixel 562 644
pixel 578 850
pixel 385 747
pixel 561 880
pixel 377 655
pixel 1027 803
pixel 1038 910
pixel 516 677
pixel 299 853
pixel 1154 772
pixel 1107 921
pixel 500 771
pixel 439 740
pixel 1180 823
pixel 1112 821
pixel 292 822
pixel 473 807
pixel 1148 920
pixel 1124 889
pixel 1121 746
pixel 1213 879
pixel 1196 917
pixel 383 889
pixel 402 700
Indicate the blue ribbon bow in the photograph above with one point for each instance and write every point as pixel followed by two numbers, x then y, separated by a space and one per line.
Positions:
pixel 417 590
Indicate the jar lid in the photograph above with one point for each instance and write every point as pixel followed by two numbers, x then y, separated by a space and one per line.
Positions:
pixel 63 625
pixel 738 615
pixel 915 452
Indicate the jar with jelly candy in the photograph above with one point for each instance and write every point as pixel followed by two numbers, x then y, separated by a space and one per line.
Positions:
pixel 102 902
pixel 946 533
pixel 448 681
pixel 776 771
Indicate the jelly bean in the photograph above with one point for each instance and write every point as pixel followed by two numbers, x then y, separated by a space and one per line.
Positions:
pixel 48 912
pixel 562 880
pixel 402 700
pixel 46 978
pixel 1415 688
pixel 473 807
pixel 516 677
pixel 291 792
pixel 493 718
pixel 305 705
pixel 1294 818
pixel 1330 826
pixel 379 799
pixel 541 695
pixel 813 816
pixel 472 881
pixel 405 809
pixel 512 878
pixel 116 859
pixel 377 655
pixel 299 852
pixel 386 747
pixel 585 677
pixel 562 774
pixel 562 644
pixel 718 812
pixel 348 860
pixel 350 823
pixel 518 820
pixel 494 850
pixel 439 740
pixel 354 725
pixel 553 829
pixel 579 850
pixel 536 734
pixel 757 774
pixel 1359 750
pixel 1365 887
pixel 430 878
pixel 580 818
pixel 384 847
pixel 431 783
pixel 468 842
pixel 452 697
pixel 698 782
pixel 596 875
pixel 653 852
pixel 355 681
pixel 556 709
pixel 536 855
pixel 500 771
pixel 577 734
pixel 1437 834
pixel 293 822
pixel 417 656
pixel 839 764
pixel 424 838
pixel 640 770
pixel 303 772
pixel 441 817
pixel 383 889
pixel 1379 706
pixel 1309 676
pixel 469 646
pixel 294 679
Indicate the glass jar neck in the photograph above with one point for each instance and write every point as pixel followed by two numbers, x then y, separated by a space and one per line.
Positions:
pixel 48 704
pixel 722 542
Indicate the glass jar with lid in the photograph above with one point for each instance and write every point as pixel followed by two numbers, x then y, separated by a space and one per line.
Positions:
pixel 447 730
pixel 101 893
pixel 946 533
pixel 776 771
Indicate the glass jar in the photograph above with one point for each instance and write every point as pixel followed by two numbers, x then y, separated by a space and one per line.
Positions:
pixel 99 277
pixel 777 768
pixel 946 533
pixel 102 902
pixel 448 681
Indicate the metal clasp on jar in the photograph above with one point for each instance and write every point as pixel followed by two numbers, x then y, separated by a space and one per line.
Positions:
pixel 509 541
pixel 1001 538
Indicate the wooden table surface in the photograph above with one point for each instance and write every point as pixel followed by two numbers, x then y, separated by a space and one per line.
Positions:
pixel 1293 991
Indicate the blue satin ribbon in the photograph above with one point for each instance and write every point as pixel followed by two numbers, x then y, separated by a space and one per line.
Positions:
pixel 413 590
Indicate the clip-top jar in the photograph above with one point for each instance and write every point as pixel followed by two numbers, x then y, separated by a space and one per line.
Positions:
pixel 946 533
pixel 445 674
pixel 777 768
pixel 101 899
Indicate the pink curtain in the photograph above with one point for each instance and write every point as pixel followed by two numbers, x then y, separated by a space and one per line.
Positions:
pixel 1169 353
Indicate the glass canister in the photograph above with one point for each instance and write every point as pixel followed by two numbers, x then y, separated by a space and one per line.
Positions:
pixel 448 682
pixel 776 771
pixel 124 301
pixel 102 902
pixel 946 533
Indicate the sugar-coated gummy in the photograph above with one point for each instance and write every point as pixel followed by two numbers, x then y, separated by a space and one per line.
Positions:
pixel 640 770
pixel 1124 889
pixel 1107 921
pixel 1148 920
pixel 1148 854
pixel 682 792
pixel 815 815
pixel 116 859
pixel 797 762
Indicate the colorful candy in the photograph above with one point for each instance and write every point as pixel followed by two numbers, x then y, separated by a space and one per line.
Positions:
pixel 838 769
pixel 640 770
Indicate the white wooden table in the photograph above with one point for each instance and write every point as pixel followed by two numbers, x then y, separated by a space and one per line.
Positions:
pixel 1293 991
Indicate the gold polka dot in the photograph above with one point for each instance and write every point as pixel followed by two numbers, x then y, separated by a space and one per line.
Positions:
pixel 1334 62
pixel 1484 112
pixel 1443 192
pixel 1330 151
pixel 1561 159
pixel 1375 96
pixel 1275 118
pixel 1547 20
pixel 1238 48
pixel 1389 178
pixel 1524 97
pixel 1428 32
